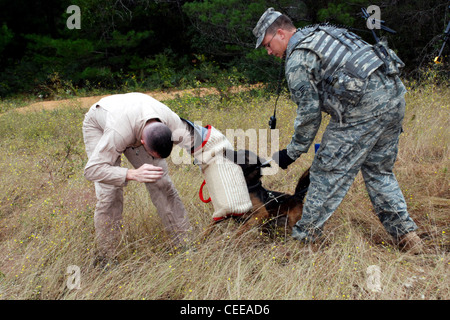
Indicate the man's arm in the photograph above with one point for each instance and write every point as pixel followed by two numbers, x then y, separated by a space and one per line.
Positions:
pixel 103 167
pixel 145 173
pixel 302 74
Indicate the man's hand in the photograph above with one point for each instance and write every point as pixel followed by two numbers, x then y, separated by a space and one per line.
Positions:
pixel 282 159
pixel 145 173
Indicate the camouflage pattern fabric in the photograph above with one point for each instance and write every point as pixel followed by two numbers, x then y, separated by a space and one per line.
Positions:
pixel 362 135
pixel 268 17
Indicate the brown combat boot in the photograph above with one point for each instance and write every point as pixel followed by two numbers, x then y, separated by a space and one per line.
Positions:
pixel 410 243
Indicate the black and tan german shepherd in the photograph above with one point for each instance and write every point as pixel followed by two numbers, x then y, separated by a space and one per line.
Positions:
pixel 271 210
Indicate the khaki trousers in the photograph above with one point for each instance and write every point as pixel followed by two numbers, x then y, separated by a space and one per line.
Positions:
pixel 109 207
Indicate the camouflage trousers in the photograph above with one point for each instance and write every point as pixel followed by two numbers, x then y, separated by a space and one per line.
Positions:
pixel 370 146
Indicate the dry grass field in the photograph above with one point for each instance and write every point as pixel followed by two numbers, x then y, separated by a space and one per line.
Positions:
pixel 47 207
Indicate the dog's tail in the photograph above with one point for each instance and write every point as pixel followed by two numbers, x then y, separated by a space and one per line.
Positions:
pixel 303 184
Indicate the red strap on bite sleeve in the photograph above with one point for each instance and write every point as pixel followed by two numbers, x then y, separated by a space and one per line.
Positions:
pixel 200 193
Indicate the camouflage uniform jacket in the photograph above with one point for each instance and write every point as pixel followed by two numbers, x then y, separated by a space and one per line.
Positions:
pixel 332 70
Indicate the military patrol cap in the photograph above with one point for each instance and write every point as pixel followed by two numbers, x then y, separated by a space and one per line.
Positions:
pixel 264 22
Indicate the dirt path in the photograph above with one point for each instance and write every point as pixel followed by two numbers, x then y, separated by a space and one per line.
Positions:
pixel 86 102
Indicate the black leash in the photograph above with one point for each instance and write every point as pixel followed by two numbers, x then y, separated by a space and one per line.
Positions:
pixel 273 119
pixel 439 58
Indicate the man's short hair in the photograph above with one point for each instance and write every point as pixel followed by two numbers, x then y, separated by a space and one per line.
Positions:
pixel 158 138
pixel 282 22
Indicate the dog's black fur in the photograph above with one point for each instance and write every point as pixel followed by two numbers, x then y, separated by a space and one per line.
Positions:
pixel 271 209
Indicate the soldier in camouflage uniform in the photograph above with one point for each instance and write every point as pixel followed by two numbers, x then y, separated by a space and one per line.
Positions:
pixel 333 70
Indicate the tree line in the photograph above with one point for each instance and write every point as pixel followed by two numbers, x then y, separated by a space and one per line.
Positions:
pixel 173 43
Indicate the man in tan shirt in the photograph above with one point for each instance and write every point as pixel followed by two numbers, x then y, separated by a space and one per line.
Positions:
pixel 142 129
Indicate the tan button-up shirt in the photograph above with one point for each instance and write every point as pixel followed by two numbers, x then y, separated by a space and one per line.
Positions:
pixel 126 116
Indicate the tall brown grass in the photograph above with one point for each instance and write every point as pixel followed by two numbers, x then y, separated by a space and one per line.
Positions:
pixel 46 218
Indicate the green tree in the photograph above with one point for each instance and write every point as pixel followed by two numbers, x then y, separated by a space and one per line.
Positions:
pixel 6 36
pixel 168 42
